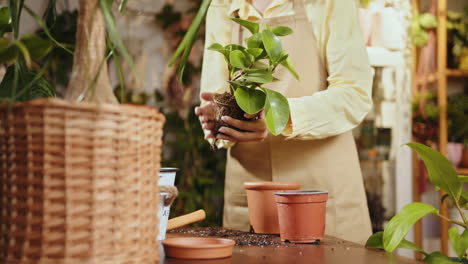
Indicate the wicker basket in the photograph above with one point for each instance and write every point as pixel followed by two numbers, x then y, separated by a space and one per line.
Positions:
pixel 78 183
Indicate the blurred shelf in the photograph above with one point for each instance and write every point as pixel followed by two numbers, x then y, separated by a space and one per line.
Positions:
pixel 457 73
pixel 462 171
pixel 431 77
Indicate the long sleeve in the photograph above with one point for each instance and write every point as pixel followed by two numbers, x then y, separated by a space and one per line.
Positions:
pixel 347 99
pixel 218 30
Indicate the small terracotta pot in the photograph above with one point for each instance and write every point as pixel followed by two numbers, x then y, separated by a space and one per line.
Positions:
pixel 263 214
pixel 301 215
pixel 464 162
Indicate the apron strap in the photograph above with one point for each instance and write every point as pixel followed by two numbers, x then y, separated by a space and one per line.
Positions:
pixel 299 8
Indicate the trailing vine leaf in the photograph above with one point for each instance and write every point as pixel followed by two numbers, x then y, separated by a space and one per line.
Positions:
pixel 376 241
pixel 276 111
pixel 5 21
pixel 250 100
pixel 441 171
pixel 251 26
pixel 106 8
pixel 439 258
pixel 272 45
pixel 402 222
pixel 282 31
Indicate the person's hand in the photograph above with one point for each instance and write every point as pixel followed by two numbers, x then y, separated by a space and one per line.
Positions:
pixel 206 114
pixel 254 130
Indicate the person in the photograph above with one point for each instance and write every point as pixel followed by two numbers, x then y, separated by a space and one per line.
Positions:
pixel 331 98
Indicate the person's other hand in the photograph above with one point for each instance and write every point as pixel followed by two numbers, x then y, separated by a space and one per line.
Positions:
pixel 206 114
pixel 254 130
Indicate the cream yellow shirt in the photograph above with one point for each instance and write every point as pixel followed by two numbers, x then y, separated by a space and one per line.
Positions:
pixel 346 101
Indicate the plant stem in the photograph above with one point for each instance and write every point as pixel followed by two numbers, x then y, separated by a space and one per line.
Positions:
pixel 453 221
pixel 461 212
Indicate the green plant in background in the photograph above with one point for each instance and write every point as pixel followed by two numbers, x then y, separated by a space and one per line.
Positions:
pixel 443 176
pixel 457 115
pixel 420 25
pixel 252 67
pixel 457 37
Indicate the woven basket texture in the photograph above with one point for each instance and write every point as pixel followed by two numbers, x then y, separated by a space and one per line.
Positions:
pixel 78 183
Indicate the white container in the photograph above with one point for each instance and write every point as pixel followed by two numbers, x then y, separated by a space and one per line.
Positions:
pixel 166 177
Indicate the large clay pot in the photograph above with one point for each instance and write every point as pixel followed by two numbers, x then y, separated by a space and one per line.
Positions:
pixel 263 214
pixel 454 153
pixel 301 215
pixel 464 162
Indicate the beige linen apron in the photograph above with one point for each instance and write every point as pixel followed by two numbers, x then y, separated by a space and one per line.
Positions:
pixel 328 164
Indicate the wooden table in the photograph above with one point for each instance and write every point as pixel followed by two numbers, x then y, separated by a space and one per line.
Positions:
pixel 330 251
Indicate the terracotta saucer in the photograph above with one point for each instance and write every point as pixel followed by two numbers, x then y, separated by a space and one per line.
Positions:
pixel 198 247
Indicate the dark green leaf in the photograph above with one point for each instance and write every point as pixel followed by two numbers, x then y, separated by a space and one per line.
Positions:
pixel 22 48
pixel 5 20
pixel 376 241
pixel 282 31
pixel 276 111
pixel 255 52
pixel 45 28
pixel 8 52
pixel 238 59
pixel 259 77
pixel 438 258
pixel 251 26
pixel 290 67
pixel 38 48
pixel 441 171
pixel 401 223
pixel 254 41
pixel 186 44
pixel 250 100
pixel 272 45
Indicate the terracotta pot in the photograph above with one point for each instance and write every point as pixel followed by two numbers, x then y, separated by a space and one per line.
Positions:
pixel 301 215
pixel 263 214
pixel 454 153
pixel 464 162
pixel 198 247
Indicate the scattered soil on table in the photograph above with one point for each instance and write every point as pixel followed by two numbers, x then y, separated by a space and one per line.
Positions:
pixel 241 238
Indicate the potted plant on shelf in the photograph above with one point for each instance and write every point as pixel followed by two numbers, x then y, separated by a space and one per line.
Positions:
pixel 250 69
pixel 425 116
pixel 457 115
pixel 457 29
pixel 443 176
pixel 80 175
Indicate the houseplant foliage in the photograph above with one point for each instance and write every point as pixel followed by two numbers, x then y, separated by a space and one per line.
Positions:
pixel 420 26
pixel 251 68
pixel 443 176
pixel 457 29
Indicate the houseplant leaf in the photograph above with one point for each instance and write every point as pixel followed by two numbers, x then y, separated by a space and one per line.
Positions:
pixel 376 241
pixel 290 67
pixel 282 31
pixel 438 258
pixel 8 52
pixel 276 111
pixel 441 171
pixel 401 223
pixel 38 48
pixel 250 100
pixel 259 77
pixel 255 51
pixel 272 45
pixel 251 26
pixel 254 41
pixel 238 59
pixel 459 242
pixel 5 20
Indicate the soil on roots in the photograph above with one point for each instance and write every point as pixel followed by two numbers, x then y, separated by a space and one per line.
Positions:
pixel 226 105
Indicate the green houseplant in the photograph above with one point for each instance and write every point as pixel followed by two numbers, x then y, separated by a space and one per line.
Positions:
pixel 457 33
pixel 250 69
pixel 443 176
